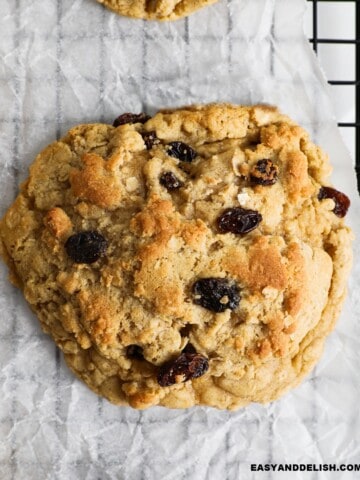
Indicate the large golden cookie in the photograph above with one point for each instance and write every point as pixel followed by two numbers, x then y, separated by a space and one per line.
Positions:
pixel 156 9
pixel 196 257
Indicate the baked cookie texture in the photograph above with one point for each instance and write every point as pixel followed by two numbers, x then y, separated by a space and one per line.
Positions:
pixel 156 9
pixel 136 247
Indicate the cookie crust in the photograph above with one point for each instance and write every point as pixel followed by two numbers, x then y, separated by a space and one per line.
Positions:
pixel 156 9
pixel 120 319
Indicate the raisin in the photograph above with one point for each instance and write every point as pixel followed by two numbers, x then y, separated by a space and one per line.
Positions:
pixel 150 139
pixel 216 294
pixel 342 202
pixel 86 247
pixel 135 352
pixel 186 366
pixel 181 151
pixel 264 173
pixel 238 220
pixel 131 118
pixel 170 181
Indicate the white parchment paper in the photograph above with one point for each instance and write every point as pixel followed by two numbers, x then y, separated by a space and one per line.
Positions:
pixel 64 62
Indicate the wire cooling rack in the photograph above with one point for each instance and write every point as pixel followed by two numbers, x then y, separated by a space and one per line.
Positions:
pixel 317 40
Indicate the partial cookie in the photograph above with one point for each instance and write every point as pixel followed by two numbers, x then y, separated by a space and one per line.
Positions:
pixel 198 257
pixel 156 9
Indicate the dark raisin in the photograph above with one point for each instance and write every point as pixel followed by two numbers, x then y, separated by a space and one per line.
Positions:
pixel 181 151
pixel 264 173
pixel 135 352
pixel 342 202
pixel 185 367
pixel 238 220
pixel 131 118
pixel 86 247
pixel 150 139
pixel 216 294
pixel 170 181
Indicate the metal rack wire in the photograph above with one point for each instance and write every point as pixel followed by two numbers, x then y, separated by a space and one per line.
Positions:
pixel 355 82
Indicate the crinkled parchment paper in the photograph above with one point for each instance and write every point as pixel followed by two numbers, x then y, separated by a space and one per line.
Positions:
pixel 64 62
